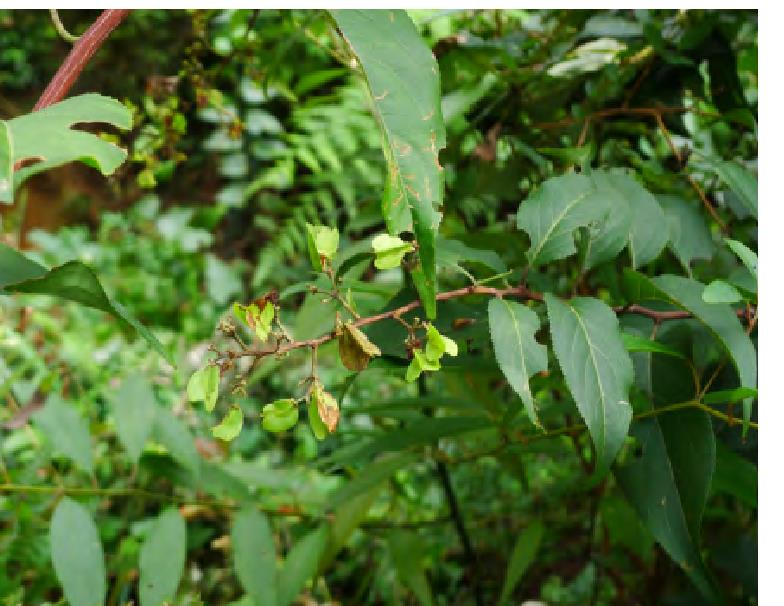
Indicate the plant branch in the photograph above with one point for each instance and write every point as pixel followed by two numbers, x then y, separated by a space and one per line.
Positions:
pixel 520 292
pixel 81 53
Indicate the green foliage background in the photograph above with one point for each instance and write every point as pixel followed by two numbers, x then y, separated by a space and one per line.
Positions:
pixel 249 125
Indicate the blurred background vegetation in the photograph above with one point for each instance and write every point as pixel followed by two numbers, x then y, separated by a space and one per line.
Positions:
pixel 249 124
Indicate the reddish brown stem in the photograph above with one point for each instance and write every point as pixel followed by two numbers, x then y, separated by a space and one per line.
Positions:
pixel 83 50
pixel 519 292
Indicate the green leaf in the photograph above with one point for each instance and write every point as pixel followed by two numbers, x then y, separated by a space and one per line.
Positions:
pixel 512 330
pixel 72 281
pixel 740 181
pixel 745 254
pixel 424 431
pixel 735 475
pixel 406 550
pixel 611 204
pixel 719 291
pixel 6 164
pixel 587 342
pixel 390 251
pixel 454 253
pixel 522 557
pixel 689 236
pixel 67 431
pixel 437 344
pixel 203 386
pixel 301 564
pixel 368 478
pixel 280 415
pixel 318 426
pixel 403 78
pixel 77 554
pixel 649 228
pixel 553 212
pixel 322 244
pixel 172 433
pixel 720 319
pixel 134 409
pixel 668 485
pixel 346 519
pixel 162 559
pixel 419 364
pixel 729 396
pixel 636 343
pixel 15 267
pixel 254 556
pixel 230 426
pixel 48 135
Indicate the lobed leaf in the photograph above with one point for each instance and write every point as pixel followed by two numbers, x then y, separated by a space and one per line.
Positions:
pixel 48 135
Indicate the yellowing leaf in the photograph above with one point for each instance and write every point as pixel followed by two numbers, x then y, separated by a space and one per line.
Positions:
pixel 354 347
pixel 390 250
pixel 322 244
pixel 259 320
pixel 230 427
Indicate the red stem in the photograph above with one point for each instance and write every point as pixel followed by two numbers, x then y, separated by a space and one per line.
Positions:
pixel 83 50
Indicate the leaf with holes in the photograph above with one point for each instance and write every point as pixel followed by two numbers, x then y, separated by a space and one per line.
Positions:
pixel 49 137
pixel 512 330
pixel 587 342
pixel 404 83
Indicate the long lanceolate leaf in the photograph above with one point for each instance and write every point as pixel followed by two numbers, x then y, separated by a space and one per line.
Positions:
pixel 73 281
pixel 669 484
pixel 403 77
pixel 587 342
pixel 720 319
